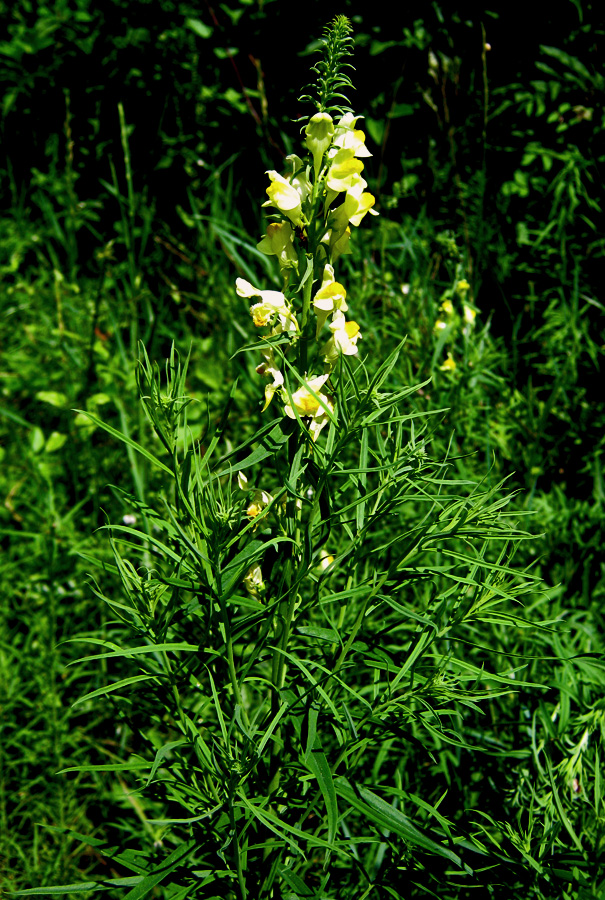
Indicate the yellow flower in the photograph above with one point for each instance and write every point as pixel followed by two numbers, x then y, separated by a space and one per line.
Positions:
pixel 278 241
pixel 259 501
pixel 325 560
pixel 447 307
pixel 288 194
pixel 463 286
pixel 356 204
pixel 339 244
pixel 330 296
pixel 469 314
pixel 449 365
pixel 344 339
pixel 344 171
pixel 439 325
pixel 284 197
pixel 268 368
pixel 299 179
pixel 347 137
pixel 272 306
pixel 253 582
pixel 310 403
pixel 318 137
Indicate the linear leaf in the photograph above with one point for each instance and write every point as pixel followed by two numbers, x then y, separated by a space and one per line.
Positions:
pixel 125 682
pixel 316 760
pixel 127 440
pixel 386 817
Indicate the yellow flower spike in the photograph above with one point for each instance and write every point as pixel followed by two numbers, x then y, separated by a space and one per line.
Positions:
pixel 309 402
pixel 447 307
pixel 463 286
pixel 279 241
pixel 318 137
pixel 449 365
pixel 331 296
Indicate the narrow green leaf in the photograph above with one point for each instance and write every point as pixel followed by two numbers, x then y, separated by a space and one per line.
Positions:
pixel 125 682
pixel 165 868
pixel 562 815
pixel 131 766
pixel 79 888
pixel 383 815
pixel 161 756
pixel 297 884
pixel 316 760
pixel 127 440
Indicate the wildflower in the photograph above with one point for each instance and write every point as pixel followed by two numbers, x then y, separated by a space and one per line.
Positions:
pixel 356 204
pixel 344 339
pixel 309 402
pixel 259 499
pixel 318 137
pixel 469 314
pixel 272 306
pixel 447 307
pixel 347 137
pixel 325 560
pixel 254 583
pixel 258 502
pixel 299 179
pixel 331 296
pixel 440 325
pixel 339 244
pixel 449 365
pixel 279 241
pixel 284 197
pixel 269 369
pixel 364 202
pixel 463 286
pixel 344 171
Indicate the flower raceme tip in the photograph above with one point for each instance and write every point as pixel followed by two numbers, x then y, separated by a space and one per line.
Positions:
pixel 315 205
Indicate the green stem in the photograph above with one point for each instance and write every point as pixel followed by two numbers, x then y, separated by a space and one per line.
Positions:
pixel 304 324
pixel 225 628
pixel 236 854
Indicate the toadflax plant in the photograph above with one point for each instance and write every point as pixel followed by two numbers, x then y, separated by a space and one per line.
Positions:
pixel 293 659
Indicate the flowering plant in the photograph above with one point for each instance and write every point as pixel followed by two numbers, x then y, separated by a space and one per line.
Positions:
pixel 313 208
pixel 291 614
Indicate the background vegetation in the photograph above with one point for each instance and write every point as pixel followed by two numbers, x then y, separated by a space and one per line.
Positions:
pixel 135 139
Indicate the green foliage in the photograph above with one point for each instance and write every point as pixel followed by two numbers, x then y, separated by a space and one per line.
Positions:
pixel 418 754
pixel 331 79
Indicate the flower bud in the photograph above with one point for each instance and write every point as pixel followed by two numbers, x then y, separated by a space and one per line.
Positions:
pixel 318 137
